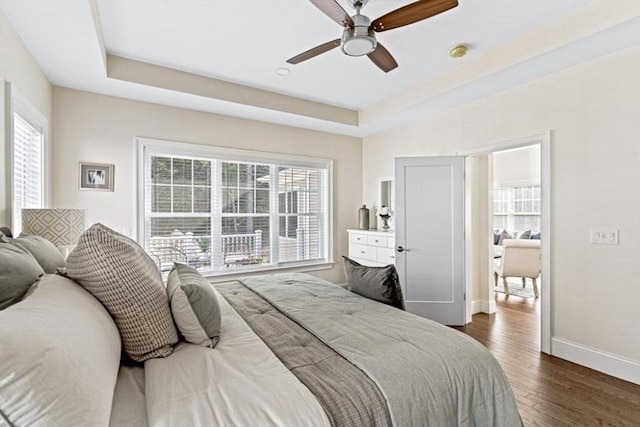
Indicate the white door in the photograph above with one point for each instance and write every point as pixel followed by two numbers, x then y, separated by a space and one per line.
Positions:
pixel 430 236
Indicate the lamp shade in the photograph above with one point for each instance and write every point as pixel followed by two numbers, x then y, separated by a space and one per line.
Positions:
pixel 62 227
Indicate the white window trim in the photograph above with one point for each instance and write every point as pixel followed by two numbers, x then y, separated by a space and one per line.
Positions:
pixel 177 148
pixel 15 102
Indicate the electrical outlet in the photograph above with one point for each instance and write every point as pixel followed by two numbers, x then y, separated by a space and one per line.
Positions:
pixel 603 236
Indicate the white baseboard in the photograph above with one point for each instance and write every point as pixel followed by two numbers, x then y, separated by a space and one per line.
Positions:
pixel 483 306
pixel 611 364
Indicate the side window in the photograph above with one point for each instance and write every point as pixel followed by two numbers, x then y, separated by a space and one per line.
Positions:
pixel 27 130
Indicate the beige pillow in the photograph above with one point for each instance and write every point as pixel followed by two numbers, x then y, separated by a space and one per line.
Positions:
pixel 118 272
pixel 59 357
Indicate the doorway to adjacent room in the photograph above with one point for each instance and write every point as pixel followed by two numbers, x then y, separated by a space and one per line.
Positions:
pixel 509 193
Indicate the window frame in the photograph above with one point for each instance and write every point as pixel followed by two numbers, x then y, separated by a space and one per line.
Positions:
pixel 174 148
pixel 16 103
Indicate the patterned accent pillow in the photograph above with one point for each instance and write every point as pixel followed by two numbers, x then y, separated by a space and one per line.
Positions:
pixel 376 283
pixel 194 306
pixel 120 274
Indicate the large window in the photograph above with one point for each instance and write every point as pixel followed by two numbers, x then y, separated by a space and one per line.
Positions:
pixel 223 210
pixel 516 207
pixel 27 130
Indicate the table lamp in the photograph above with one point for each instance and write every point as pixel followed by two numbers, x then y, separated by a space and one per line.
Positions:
pixel 62 227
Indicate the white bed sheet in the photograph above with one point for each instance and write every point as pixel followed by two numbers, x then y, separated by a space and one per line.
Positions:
pixel 238 383
pixel 129 406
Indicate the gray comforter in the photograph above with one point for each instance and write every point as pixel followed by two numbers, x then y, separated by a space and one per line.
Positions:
pixel 429 374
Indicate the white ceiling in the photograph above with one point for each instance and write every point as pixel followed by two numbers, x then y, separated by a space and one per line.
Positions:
pixel 244 41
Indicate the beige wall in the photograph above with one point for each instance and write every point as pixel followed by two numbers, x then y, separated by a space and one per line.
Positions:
pixel 18 67
pixel 521 165
pixel 592 111
pixel 96 128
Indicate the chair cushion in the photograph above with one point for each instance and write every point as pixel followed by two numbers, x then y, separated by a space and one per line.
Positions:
pixel 59 357
pixel 376 283
pixel 18 271
pixel 194 306
pixel 118 272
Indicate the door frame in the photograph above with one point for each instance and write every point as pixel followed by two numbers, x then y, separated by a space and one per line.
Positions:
pixel 543 139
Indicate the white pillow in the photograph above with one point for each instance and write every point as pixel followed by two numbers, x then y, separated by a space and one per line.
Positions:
pixel 59 357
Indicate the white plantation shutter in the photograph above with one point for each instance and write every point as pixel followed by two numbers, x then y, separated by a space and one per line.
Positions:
pixel 223 210
pixel 27 148
pixel 517 207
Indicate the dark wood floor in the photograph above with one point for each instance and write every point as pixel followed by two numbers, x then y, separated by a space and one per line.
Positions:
pixel 550 391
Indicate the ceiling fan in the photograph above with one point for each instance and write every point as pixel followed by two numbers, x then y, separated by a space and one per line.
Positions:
pixel 358 36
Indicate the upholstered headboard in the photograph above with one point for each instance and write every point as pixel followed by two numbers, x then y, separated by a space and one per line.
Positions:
pixel 6 231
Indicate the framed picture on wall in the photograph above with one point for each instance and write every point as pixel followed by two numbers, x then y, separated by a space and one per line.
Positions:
pixel 96 176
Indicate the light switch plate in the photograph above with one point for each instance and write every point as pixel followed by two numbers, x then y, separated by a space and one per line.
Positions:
pixel 604 236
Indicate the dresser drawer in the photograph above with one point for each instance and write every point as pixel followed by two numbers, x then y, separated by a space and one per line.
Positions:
pixel 377 241
pixel 358 238
pixel 362 251
pixel 391 242
pixel 386 256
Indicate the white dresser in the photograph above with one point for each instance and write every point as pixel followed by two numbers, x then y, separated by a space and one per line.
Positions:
pixel 373 248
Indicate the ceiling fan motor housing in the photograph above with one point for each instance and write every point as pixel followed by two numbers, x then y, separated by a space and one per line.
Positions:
pixel 360 39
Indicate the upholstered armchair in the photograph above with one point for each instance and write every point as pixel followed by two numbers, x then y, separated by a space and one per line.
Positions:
pixel 520 258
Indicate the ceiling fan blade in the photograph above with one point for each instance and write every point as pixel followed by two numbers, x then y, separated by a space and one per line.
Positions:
pixel 383 59
pixel 334 11
pixel 412 13
pixel 314 51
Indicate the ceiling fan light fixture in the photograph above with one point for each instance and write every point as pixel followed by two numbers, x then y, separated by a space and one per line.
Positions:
pixel 360 39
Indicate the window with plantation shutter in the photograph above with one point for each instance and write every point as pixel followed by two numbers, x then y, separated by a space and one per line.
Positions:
pixel 517 207
pixel 27 157
pixel 222 210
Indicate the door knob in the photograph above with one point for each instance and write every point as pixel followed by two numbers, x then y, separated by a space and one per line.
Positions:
pixel 402 249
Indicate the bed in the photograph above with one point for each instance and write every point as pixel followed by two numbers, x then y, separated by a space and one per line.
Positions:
pixel 297 350
pixel 293 350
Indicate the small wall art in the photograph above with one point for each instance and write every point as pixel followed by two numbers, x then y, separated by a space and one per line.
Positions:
pixel 96 176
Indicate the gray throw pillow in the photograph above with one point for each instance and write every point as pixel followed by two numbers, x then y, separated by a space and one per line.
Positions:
pixel 535 236
pixel 376 283
pixel 504 235
pixel 194 306
pixel 120 274
pixel 45 252
pixel 525 235
pixel 18 271
pixel 6 231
